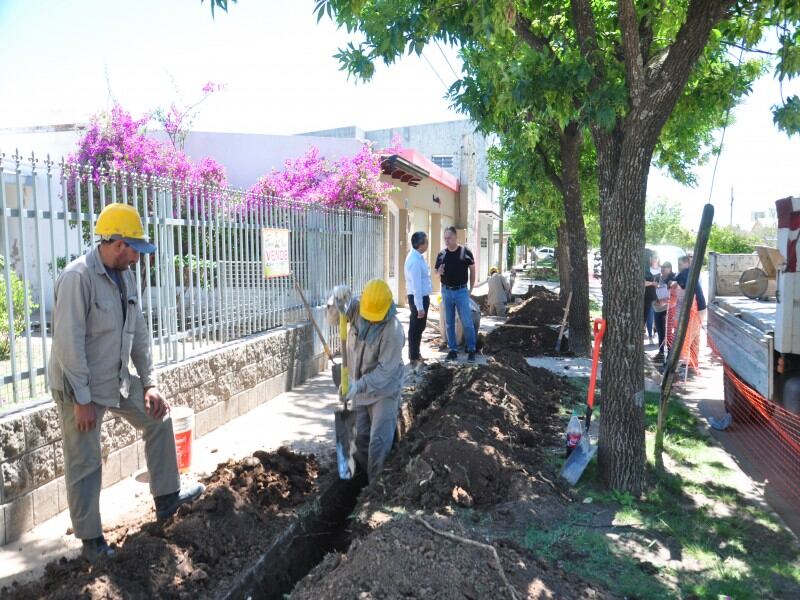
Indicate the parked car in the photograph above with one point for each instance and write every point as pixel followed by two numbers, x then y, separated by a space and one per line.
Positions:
pixel 664 252
pixel 546 253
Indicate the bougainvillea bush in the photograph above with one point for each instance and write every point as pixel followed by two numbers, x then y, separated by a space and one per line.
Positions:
pixel 117 141
pixel 349 182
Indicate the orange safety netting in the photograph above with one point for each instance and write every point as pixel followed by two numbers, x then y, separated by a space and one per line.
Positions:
pixel 690 353
pixel 769 434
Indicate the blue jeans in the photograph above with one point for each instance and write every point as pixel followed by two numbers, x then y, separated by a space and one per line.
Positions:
pixel 649 322
pixel 458 299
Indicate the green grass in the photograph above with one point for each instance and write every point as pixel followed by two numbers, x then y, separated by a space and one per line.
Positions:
pixel 692 534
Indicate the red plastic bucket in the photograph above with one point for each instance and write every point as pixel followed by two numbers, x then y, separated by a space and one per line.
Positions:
pixel 183 428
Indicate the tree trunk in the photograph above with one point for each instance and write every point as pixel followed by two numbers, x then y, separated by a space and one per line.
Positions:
pixel 623 157
pixel 579 326
pixel 622 448
pixel 562 261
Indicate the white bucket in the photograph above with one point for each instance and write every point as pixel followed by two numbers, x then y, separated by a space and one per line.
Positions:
pixel 183 428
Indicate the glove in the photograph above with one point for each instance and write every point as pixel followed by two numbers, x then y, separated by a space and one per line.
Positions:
pixel 357 386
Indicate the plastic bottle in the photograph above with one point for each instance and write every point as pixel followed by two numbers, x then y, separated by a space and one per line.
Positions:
pixel 574 433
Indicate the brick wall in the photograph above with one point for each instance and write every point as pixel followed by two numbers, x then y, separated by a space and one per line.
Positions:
pixel 219 386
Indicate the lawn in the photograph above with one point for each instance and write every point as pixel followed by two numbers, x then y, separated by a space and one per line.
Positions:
pixel 694 534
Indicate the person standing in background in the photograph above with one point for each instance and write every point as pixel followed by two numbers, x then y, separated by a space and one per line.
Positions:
pixel 651 275
pixel 455 266
pixel 499 291
pixel 418 287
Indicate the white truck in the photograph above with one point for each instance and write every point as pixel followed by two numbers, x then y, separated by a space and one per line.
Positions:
pixel 754 316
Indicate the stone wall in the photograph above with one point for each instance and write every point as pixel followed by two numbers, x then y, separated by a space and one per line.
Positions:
pixel 219 386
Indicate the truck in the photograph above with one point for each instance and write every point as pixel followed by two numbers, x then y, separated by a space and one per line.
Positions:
pixel 754 321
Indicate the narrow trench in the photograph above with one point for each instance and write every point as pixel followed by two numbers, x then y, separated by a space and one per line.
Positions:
pixel 316 532
pixel 321 529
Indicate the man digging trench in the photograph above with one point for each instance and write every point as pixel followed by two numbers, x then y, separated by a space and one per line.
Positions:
pixel 97 330
pixel 375 341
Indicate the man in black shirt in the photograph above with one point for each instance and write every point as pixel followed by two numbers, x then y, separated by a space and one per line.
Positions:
pixel 455 265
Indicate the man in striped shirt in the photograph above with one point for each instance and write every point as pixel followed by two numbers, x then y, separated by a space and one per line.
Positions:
pixel 418 286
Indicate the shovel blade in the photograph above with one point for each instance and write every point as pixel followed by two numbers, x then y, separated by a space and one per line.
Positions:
pixel 578 461
pixel 345 426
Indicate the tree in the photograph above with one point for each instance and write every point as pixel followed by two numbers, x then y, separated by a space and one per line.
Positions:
pixel 663 225
pixel 632 64
pixel 730 240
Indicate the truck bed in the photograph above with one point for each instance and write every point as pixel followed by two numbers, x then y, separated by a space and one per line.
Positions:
pixel 742 331
pixel 758 313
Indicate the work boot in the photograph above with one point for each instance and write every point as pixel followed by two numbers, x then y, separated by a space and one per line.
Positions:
pixel 96 549
pixel 167 504
pixel 452 355
pixel 471 356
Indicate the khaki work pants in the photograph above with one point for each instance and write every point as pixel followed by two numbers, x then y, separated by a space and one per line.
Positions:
pixel 498 310
pixel 83 463
pixel 375 427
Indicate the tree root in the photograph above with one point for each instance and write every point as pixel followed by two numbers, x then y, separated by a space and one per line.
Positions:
pixel 457 538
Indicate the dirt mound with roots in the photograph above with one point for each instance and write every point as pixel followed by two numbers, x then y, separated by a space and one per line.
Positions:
pixel 404 559
pixel 477 462
pixel 198 552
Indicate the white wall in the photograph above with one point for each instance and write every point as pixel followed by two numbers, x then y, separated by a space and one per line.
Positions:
pixel 247 157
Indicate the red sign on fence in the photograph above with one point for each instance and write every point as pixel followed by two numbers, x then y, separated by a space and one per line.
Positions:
pixel 275 252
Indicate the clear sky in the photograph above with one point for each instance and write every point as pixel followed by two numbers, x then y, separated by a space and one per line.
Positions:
pixel 281 77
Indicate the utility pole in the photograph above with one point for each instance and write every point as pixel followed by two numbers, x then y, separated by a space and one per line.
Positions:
pixel 731 223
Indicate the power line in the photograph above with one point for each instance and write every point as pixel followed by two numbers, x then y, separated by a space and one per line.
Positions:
pixel 724 129
pixel 435 72
pixel 447 61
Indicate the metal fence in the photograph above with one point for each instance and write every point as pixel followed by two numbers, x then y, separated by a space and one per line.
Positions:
pixel 204 286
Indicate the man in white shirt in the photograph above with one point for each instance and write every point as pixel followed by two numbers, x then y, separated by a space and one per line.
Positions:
pixel 418 286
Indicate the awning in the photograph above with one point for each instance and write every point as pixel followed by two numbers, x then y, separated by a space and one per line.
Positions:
pixel 404 170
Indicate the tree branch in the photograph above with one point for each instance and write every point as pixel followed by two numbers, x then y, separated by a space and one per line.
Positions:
pixel 549 169
pixel 665 84
pixel 522 27
pixel 631 47
pixel 586 29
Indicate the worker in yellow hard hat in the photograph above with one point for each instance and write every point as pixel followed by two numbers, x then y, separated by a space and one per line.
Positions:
pixel 98 329
pixel 375 361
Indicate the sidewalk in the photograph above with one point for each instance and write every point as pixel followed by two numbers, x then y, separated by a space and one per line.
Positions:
pixel 301 419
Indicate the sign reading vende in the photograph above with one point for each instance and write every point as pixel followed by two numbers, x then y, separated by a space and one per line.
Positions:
pixel 275 244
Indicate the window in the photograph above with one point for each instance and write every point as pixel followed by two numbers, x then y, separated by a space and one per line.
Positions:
pixel 443 160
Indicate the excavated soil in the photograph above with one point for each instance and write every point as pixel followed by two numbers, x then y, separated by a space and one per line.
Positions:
pixel 530 341
pixel 535 337
pixel 478 462
pixel 405 560
pixel 201 550
pixel 542 307
pixel 479 433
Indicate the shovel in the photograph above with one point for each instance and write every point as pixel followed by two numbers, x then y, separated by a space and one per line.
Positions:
pixel 563 323
pixel 584 451
pixel 344 419
pixel 336 368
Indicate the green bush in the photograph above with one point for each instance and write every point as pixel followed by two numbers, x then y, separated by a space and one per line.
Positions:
pixel 18 291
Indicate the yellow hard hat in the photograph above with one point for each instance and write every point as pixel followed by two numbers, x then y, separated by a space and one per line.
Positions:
pixel 122 222
pixel 493 270
pixel 376 300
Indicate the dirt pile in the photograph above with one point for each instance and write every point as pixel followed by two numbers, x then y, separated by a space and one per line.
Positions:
pixel 476 436
pixel 201 550
pixel 479 456
pixel 533 336
pixel 405 560
pixel 529 341
pixel 542 307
